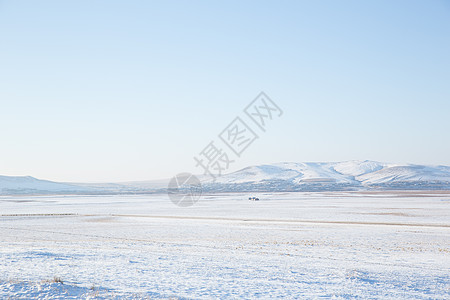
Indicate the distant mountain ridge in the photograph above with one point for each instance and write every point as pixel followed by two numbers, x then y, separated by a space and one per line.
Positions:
pixel 12 185
pixel 326 176
pixel 277 177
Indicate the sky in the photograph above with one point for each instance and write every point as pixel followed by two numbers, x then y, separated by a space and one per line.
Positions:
pixel 101 91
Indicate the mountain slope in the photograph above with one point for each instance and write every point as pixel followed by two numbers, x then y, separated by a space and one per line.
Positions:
pixel 349 175
pixel 12 185
pixel 278 177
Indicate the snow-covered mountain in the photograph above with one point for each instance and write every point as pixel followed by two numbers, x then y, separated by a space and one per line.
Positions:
pixel 319 176
pixel 349 175
pixel 20 185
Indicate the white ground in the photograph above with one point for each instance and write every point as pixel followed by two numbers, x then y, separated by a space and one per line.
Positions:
pixel 290 245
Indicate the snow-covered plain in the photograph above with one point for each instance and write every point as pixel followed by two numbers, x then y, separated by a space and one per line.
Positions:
pixel 385 245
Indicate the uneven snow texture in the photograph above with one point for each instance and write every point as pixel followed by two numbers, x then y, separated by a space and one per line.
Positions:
pixel 342 245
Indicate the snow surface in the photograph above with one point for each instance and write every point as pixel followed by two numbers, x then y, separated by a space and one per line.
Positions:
pixel 344 245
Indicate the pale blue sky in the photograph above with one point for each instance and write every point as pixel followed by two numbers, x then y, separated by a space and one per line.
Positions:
pixel 132 90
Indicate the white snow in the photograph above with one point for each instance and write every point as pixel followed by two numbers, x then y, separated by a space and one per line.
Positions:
pixel 28 184
pixel 358 168
pixel 321 176
pixel 377 245
pixel 334 176
pixel 407 173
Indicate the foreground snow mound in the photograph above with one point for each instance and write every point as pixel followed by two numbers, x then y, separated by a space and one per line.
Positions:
pixel 51 290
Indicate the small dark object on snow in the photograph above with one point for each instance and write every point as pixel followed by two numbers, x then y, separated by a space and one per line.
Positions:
pixel 253 199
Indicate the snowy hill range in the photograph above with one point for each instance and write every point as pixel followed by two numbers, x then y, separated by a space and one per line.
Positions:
pixel 30 185
pixel 348 175
pixel 278 177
